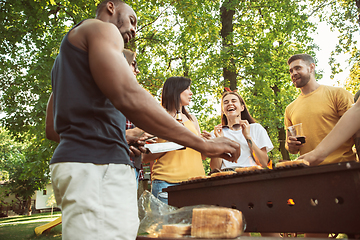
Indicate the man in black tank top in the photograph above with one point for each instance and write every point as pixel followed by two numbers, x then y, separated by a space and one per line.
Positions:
pixel 93 90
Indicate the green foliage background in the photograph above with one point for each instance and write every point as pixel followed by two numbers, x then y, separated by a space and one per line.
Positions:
pixel 175 38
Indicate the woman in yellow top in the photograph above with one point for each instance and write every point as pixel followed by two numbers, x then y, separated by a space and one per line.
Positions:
pixel 173 167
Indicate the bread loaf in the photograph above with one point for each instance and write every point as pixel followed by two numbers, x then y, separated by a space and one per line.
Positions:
pixel 245 169
pixel 183 229
pixel 216 223
pixel 169 235
pixel 175 230
pixel 292 163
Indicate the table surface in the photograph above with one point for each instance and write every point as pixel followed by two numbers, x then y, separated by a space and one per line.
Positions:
pixel 241 237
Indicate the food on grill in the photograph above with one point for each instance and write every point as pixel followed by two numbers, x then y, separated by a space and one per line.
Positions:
pixel 216 222
pixel 298 162
pixel 175 230
pixel 245 169
pixel 222 173
pixel 198 177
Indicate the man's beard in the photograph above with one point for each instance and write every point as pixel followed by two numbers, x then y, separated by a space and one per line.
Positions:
pixel 303 81
pixel 120 23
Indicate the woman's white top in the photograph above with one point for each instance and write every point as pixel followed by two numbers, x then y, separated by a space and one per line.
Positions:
pixel 259 137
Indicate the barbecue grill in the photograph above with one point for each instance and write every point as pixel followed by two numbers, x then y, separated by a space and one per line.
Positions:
pixel 319 199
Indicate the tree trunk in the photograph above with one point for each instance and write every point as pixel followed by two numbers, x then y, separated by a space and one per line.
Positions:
pixel 229 69
pixel 281 131
pixel 28 207
pixel 282 138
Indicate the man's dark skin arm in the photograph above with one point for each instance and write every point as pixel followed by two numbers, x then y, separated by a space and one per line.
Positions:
pixel 51 134
pixel 113 76
pixel 102 39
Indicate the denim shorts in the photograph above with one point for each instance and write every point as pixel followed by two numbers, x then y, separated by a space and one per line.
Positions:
pixel 137 175
pixel 157 187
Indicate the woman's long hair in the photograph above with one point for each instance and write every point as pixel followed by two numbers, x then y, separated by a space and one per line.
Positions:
pixel 170 97
pixel 245 115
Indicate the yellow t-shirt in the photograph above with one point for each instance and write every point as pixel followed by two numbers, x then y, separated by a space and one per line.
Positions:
pixel 318 112
pixel 180 165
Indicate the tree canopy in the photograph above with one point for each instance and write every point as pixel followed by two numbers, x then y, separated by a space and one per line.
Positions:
pixel 240 44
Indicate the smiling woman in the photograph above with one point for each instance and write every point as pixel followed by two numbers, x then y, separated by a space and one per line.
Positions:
pixel 238 125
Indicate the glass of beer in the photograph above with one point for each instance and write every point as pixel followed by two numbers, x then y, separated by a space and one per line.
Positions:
pixel 297 131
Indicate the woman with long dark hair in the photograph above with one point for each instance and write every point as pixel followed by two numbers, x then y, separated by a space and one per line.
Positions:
pixel 238 125
pixel 173 167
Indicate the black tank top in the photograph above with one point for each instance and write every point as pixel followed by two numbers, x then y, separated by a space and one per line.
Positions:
pixel 91 129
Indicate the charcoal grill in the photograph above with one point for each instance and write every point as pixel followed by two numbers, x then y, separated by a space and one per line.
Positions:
pixel 319 199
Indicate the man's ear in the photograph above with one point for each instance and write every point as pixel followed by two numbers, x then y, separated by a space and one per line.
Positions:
pixel 110 7
pixel 312 68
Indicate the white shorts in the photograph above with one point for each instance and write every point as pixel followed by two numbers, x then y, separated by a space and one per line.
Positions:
pixel 97 201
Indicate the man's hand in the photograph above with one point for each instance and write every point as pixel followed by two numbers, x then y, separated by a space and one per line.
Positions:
pixel 136 145
pixel 135 132
pixel 206 135
pixel 313 157
pixel 222 147
pixel 294 145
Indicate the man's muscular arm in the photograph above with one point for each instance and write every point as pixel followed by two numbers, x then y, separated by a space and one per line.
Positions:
pixel 49 122
pixel 115 79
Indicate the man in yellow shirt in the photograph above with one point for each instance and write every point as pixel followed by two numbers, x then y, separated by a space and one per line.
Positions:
pixel 318 108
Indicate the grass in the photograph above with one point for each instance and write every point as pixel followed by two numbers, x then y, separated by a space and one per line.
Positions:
pixel 22 227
